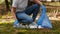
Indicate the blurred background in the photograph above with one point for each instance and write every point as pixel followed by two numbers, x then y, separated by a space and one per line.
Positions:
pixel 6 18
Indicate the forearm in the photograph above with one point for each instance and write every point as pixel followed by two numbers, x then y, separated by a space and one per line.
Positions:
pixel 13 11
pixel 38 2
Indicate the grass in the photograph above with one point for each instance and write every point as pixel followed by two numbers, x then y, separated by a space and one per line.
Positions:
pixel 9 29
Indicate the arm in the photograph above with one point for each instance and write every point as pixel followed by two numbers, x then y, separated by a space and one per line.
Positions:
pixel 13 11
pixel 38 2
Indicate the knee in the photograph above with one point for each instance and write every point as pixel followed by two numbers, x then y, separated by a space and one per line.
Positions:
pixel 37 6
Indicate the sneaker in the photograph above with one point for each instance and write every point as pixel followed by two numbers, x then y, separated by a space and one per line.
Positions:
pixel 16 25
pixel 39 26
pixel 27 26
pixel 33 25
pixel 19 26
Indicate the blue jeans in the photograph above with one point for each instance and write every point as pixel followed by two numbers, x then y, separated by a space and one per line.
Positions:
pixel 24 15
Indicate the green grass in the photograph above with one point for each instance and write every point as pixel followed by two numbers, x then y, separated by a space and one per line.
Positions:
pixel 9 29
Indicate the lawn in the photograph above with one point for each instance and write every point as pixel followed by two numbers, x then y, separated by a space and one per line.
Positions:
pixel 7 28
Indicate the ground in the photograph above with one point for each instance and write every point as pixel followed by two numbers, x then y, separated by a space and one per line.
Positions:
pixel 7 28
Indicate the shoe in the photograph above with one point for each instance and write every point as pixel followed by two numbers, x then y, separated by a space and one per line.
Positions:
pixel 39 27
pixel 27 26
pixel 19 26
pixel 16 25
pixel 33 25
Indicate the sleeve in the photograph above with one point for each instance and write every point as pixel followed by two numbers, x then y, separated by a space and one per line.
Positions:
pixel 14 4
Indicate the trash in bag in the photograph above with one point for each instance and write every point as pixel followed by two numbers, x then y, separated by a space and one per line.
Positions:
pixel 43 19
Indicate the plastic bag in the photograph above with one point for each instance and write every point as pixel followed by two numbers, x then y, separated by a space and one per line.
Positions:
pixel 42 15
pixel 46 22
pixel 43 19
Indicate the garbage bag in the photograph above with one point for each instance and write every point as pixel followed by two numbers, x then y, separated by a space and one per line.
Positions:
pixel 42 15
pixel 46 22
pixel 43 19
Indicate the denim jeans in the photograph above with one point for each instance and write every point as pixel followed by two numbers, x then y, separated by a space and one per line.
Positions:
pixel 24 15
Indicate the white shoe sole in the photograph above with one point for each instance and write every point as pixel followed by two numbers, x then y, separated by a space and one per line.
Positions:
pixel 33 27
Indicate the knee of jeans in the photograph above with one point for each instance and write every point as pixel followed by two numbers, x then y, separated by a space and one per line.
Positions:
pixel 37 5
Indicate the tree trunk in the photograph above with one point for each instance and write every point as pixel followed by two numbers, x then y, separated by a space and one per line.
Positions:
pixel 7 5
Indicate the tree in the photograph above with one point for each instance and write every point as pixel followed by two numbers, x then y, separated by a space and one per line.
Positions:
pixel 7 5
